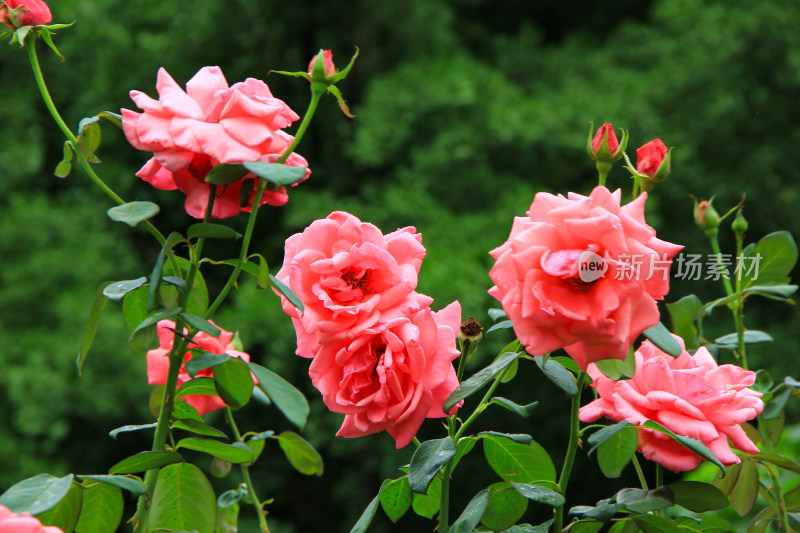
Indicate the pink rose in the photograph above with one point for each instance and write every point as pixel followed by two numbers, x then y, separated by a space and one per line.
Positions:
pixel 329 68
pixel 210 123
pixel 689 395
pixel 582 273
pixel 349 277
pixel 16 13
pixel 23 523
pixel 605 132
pixel 650 156
pixel 158 362
pixel 393 375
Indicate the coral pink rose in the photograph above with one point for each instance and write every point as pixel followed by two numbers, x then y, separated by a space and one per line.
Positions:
pixel 650 156
pixel 611 140
pixel 349 277
pixel 158 362
pixel 689 395
pixel 16 13
pixel 393 375
pixel 582 273
pixel 23 523
pixel 190 132
pixel 329 68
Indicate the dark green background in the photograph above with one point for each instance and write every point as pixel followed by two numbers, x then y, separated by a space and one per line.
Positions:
pixel 465 109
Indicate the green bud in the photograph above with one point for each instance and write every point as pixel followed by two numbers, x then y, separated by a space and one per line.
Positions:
pixel 739 224
pixel 706 217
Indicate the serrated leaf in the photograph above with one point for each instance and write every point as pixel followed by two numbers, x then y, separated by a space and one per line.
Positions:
pixel 277 173
pixel 471 516
pixel 201 324
pixel 692 444
pixel 697 496
pixel 395 498
pixel 64 515
pixel 478 380
pixel 143 461
pixel 555 372
pixel 731 341
pixel 183 500
pixel 644 501
pixel 516 462
pixel 37 494
pixel 200 428
pixel 226 173
pixel 426 462
pixel 427 505
pixel 102 508
pixel 617 369
pixel 234 382
pixel 227 452
pixel 505 324
pixel 144 335
pixel 302 455
pixel 283 394
pixel 522 410
pixel 133 212
pixel 539 494
pixel 616 452
pixel 131 484
pixel 778 255
pixel 204 362
pixel 204 386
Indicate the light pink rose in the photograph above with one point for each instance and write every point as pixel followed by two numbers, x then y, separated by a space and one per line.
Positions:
pixel 582 273
pixel 158 362
pixel 191 131
pixel 23 523
pixel 689 395
pixel 392 375
pixel 349 277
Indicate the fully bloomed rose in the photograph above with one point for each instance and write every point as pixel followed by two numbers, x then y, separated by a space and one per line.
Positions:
pixel 16 13
pixel 582 273
pixel 191 131
pixel 158 362
pixel 690 395
pixel 350 277
pixel 392 375
pixel 23 523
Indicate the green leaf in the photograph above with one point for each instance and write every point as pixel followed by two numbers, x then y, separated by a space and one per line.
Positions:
pixel 134 307
pixel 664 341
pixel 692 444
pixel 505 324
pixel 506 506
pixel 133 212
pixel 198 297
pixel 117 290
pixel 778 255
pixel 778 460
pixel 131 484
pixel 731 341
pixel 302 455
pixel 599 437
pixel 539 494
pixel 65 166
pixel 697 496
pixel 158 270
pixel 463 447
pixel 89 140
pixel 284 289
pixel 183 500
pixel 555 372
pixel 684 319
pixel 426 462
pixel 204 362
pixel 226 173
pixel 200 428
pixel 745 491
pixel 233 453
pixel 92 323
pixel 518 462
pixel 64 515
pixel 145 461
pixel 644 501
pixel 427 505
pixel 204 386
pixel 144 334
pixel 283 394
pixel 263 277
pixel 201 324
pixel 37 494
pixel 618 369
pixel 521 438
pixel 474 383
pixel 522 410
pixel 616 452
pixel 472 514
pixel 366 517
pixel 603 512
pixel 102 508
pixel 211 231
pixel 113 433
pixel 277 173
pixel 650 523
pixel 234 382
pixel 395 498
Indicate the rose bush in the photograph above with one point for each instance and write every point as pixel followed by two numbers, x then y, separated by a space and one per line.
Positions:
pixel 16 13
pixel 349 276
pixel 392 375
pixel 190 132
pixel 158 362
pixel 22 523
pixel 550 304
pixel 690 395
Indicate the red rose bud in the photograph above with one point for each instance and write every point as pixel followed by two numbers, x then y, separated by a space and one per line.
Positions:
pixel 321 66
pixel 706 217
pixel 17 13
pixel 652 163
pixel 604 147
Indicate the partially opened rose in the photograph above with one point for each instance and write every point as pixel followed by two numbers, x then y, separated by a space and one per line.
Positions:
pixel 582 273
pixel 158 362
pixel 392 375
pixel 690 395
pixel 350 277
pixel 191 131
pixel 17 13
pixel 23 523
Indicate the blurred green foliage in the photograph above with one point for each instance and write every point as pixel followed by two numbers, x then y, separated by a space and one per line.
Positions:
pixel 465 110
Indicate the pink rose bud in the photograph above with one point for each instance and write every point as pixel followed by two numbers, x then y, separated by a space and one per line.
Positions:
pixel 604 147
pixel 321 66
pixel 652 163
pixel 16 13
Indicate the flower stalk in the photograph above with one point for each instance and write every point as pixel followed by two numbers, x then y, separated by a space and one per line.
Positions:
pixel 572 448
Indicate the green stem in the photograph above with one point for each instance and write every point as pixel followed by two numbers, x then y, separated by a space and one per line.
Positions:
pixel 572 448
pixel 714 239
pixel 248 234
pixel 30 45
pixel 251 490
pixel 639 472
